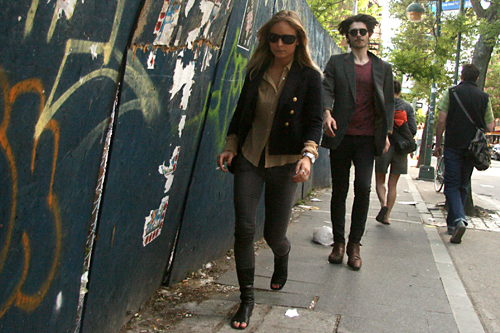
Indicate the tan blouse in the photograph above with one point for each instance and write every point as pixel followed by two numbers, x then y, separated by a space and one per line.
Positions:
pixel 257 139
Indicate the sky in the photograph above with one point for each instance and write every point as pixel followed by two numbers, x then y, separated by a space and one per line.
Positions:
pixel 388 24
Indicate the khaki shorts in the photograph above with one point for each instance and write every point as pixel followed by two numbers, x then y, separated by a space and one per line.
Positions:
pixel 398 162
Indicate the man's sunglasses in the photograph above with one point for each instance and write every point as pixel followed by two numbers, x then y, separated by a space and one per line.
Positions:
pixel 354 32
pixel 287 39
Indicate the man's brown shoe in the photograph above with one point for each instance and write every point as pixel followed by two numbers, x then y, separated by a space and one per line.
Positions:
pixel 354 258
pixel 337 254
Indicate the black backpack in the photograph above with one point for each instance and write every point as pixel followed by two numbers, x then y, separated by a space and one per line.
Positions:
pixel 403 140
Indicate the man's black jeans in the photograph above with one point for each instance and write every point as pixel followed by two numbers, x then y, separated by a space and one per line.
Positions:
pixel 358 151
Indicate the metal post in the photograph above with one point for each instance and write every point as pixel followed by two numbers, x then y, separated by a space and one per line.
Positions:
pixel 426 171
pixel 459 45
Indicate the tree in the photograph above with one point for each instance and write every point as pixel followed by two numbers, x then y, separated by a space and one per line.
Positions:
pixel 419 55
pixel 330 13
pixel 492 87
pixel 490 30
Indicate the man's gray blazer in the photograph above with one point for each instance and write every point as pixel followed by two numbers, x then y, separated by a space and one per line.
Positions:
pixel 339 96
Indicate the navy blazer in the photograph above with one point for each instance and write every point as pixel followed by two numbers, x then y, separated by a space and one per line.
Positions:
pixel 298 117
pixel 339 87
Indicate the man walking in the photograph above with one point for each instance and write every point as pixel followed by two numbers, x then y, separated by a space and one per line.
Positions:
pixel 359 114
pixel 459 133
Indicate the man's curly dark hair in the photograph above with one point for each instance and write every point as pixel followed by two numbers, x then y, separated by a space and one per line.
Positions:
pixel 370 21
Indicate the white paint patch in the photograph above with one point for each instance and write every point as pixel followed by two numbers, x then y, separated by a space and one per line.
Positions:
pixel 59 302
pixel 182 123
pixel 189 5
pixel 206 59
pixel 191 38
pixel 154 222
pixel 151 60
pixel 186 93
pixel 65 6
pixel 183 77
pixel 93 51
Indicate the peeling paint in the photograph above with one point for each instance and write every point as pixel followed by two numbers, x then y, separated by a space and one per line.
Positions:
pixel 206 60
pixel 182 123
pixel 246 35
pixel 154 222
pixel 166 23
pixel 151 60
pixel 189 5
pixel 67 7
pixel 93 51
pixel 59 302
pixel 183 77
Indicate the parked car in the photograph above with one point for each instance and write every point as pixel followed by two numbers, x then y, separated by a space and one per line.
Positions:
pixel 495 152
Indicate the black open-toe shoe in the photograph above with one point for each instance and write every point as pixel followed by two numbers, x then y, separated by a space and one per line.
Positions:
pixel 280 274
pixel 245 279
pixel 243 314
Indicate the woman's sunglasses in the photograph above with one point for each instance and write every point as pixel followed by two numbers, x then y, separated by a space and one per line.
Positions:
pixel 354 32
pixel 287 39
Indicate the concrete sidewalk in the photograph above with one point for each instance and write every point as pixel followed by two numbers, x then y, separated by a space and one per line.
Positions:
pixel 407 283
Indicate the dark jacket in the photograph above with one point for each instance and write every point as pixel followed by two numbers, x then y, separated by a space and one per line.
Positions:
pixel 459 130
pixel 400 104
pixel 340 96
pixel 298 116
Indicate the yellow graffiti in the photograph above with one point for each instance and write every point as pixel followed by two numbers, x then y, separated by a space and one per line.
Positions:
pixel 30 18
pixel 17 296
pixel 135 74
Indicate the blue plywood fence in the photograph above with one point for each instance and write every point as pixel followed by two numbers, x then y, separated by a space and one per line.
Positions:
pixel 112 115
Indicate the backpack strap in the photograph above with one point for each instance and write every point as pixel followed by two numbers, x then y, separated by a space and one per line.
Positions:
pixel 462 106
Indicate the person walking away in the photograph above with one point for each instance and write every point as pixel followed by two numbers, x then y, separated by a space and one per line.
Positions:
pixel 420 133
pixel 358 117
pixel 459 133
pixel 398 161
pixel 271 142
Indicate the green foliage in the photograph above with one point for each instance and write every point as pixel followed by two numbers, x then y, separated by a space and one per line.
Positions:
pixel 330 13
pixel 419 116
pixel 492 87
pixel 421 54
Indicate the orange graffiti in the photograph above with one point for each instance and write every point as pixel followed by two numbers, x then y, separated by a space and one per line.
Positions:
pixel 17 296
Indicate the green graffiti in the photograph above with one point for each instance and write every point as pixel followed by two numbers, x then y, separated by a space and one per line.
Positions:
pixel 235 78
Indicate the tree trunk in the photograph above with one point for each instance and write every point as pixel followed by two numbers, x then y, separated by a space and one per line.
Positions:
pixel 481 58
pixel 486 43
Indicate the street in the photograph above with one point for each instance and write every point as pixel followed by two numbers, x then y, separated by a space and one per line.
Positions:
pixel 486 184
pixel 476 258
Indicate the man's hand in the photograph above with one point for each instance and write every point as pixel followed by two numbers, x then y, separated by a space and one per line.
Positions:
pixel 329 125
pixel 438 150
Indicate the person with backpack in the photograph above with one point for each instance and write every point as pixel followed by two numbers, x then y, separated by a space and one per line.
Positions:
pixel 462 110
pixel 395 157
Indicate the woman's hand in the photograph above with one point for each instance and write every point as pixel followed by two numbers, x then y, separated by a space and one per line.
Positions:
pixel 303 170
pixel 387 145
pixel 329 125
pixel 225 156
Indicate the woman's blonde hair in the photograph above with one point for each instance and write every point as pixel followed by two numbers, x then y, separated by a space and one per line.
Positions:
pixel 263 55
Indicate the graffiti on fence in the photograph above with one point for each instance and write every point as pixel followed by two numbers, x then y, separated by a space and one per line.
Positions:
pixel 22 300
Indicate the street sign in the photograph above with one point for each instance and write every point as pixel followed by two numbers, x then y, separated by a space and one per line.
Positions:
pixel 455 5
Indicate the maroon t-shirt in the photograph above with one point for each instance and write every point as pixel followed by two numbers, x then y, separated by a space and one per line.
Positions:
pixel 363 119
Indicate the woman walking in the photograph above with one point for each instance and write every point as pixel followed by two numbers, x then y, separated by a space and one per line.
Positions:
pixel 272 142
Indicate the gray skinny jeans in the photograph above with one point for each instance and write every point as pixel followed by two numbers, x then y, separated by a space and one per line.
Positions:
pixel 279 197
